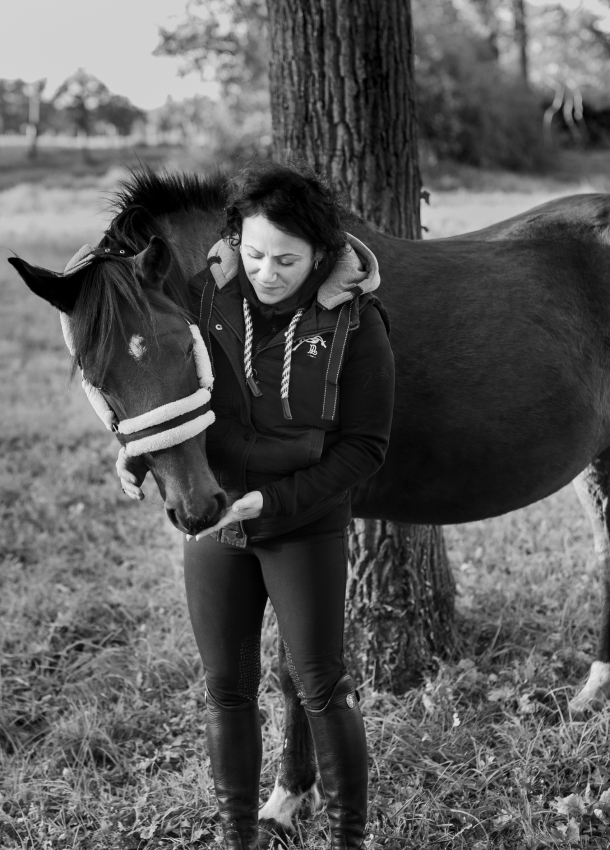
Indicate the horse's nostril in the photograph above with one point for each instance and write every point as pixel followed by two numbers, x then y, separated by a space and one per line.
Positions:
pixel 171 513
pixel 221 500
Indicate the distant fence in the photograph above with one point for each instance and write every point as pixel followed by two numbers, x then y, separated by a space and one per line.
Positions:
pixel 78 142
pixel 150 137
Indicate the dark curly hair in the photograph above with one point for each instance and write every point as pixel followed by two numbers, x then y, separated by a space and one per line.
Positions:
pixel 293 197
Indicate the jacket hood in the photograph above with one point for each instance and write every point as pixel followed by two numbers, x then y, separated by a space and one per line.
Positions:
pixel 355 272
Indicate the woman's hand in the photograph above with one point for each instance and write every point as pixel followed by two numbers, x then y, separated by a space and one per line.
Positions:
pixel 132 472
pixel 248 507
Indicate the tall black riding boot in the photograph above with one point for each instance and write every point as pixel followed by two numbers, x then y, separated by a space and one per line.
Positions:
pixel 235 747
pixel 339 739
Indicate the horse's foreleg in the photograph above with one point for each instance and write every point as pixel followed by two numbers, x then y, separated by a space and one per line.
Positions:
pixel 593 489
pixel 296 779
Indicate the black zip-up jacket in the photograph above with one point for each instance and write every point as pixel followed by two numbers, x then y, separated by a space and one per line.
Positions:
pixel 303 466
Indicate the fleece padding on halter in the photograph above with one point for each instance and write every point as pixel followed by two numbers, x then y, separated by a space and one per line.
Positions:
pixel 167 425
pixel 97 400
pixel 100 405
pixel 169 437
pixel 162 414
pixel 203 363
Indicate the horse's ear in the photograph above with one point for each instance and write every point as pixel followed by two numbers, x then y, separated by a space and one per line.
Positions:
pixel 153 263
pixel 58 289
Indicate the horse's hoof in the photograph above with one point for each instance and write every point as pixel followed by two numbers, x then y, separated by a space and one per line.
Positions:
pixel 273 836
pixel 595 693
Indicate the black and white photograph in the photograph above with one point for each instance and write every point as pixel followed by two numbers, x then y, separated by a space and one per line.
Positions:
pixel 304 424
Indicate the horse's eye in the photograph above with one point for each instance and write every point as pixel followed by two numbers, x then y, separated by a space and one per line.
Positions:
pixel 189 350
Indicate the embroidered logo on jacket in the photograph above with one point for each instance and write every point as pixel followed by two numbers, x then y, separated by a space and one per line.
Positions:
pixel 313 342
pixel 374 375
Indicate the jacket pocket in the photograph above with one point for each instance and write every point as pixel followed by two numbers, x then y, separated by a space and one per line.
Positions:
pixel 282 454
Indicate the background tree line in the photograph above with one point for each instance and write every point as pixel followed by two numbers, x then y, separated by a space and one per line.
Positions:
pixel 82 104
pixel 490 75
pixel 496 82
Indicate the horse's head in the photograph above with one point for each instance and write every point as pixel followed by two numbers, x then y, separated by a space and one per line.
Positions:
pixel 142 364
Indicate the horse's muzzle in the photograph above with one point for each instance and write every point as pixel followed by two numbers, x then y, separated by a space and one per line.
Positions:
pixel 189 524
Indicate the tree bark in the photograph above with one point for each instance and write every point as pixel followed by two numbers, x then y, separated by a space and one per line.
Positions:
pixel 342 98
pixel 400 602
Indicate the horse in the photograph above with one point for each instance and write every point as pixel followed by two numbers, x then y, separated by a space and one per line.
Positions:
pixel 502 348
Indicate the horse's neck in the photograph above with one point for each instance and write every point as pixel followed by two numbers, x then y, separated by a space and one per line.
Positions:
pixel 191 235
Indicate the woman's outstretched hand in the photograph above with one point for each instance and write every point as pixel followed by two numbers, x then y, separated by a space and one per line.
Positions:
pixel 248 507
pixel 132 472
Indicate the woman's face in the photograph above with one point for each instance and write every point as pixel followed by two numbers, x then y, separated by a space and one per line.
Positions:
pixel 275 262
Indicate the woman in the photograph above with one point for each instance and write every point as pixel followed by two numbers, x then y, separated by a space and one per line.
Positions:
pixel 303 398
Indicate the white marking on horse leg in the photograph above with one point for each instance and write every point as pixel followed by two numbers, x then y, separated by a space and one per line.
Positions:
pixel 137 347
pixel 312 801
pixel 596 690
pixel 281 806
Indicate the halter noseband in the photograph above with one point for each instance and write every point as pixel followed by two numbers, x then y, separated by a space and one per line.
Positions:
pixel 164 426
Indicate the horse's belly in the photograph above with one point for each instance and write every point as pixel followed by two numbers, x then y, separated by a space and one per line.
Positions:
pixel 479 461
pixel 441 503
pixel 448 497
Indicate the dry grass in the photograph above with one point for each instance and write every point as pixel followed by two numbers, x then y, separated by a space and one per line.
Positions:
pixel 102 742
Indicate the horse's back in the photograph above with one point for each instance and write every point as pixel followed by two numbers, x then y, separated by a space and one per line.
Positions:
pixel 503 374
pixel 584 216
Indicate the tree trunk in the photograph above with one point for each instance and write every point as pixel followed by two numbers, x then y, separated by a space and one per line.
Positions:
pixel 400 602
pixel 342 97
pixel 489 22
pixel 521 38
pixel 34 91
pixel 32 134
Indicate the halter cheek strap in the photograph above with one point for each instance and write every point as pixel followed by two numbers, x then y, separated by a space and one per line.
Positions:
pixel 96 399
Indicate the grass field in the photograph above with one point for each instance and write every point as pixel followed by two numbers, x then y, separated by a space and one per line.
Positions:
pixel 102 741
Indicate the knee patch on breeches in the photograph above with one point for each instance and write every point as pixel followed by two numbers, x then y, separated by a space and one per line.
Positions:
pixel 249 675
pixel 318 686
pixel 296 681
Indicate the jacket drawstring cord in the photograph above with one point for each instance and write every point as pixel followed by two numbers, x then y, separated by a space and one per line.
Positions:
pixel 288 362
pixel 248 351
pixel 287 357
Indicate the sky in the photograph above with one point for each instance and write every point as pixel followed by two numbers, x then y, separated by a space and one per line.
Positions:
pixel 111 39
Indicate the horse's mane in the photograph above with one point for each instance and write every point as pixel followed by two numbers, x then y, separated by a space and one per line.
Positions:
pixel 109 284
pixel 165 192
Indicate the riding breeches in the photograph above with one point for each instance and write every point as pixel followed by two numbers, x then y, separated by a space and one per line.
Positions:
pixel 227 589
